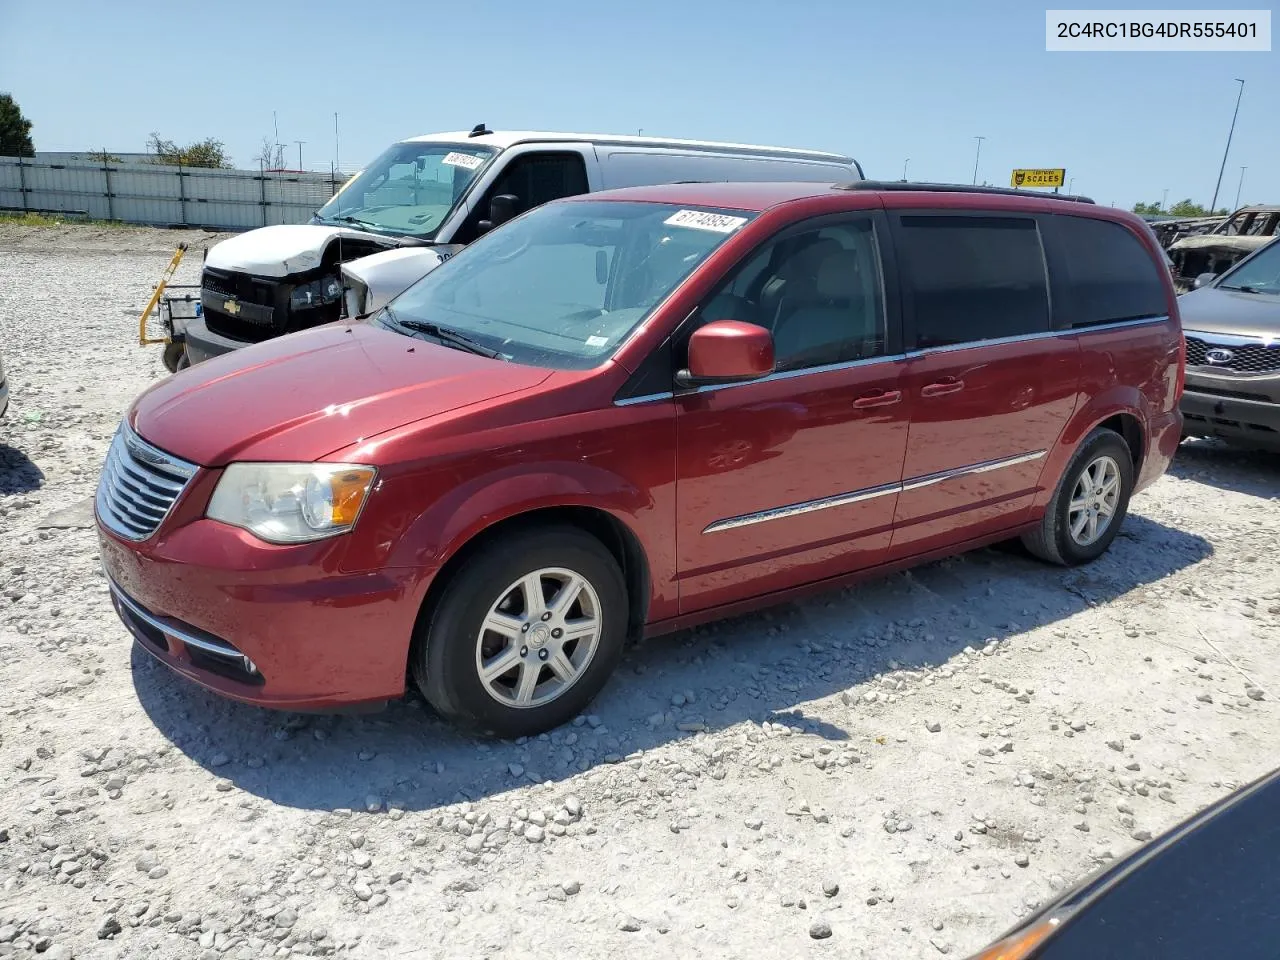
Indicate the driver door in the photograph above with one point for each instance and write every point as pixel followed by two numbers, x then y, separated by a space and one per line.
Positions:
pixel 794 478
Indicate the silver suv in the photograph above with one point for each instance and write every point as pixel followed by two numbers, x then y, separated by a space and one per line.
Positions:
pixel 1232 327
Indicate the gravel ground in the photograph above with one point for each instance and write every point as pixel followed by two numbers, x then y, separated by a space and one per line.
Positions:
pixel 899 770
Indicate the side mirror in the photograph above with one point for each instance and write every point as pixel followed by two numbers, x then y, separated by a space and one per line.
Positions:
pixel 1204 280
pixel 501 209
pixel 726 351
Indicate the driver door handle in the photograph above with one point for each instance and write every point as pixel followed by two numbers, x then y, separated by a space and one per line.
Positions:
pixel 942 387
pixel 879 398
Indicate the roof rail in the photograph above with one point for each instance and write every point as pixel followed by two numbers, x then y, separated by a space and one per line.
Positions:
pixel 954 188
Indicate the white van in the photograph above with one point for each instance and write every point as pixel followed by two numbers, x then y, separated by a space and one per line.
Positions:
pixel 424 198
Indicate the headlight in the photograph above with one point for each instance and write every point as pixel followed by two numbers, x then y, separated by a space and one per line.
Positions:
pixel 316 293
pixel 291 502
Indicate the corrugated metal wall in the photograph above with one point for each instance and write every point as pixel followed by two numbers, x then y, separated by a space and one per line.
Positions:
pixel 163 195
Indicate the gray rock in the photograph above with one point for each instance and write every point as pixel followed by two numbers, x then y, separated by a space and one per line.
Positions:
pixel 830 888
pixel 534 834
pixel 59 951
pixel 573 806
pixel 933 726
pixel 361 859
pixel 629 925
pixel 820 930
pixel 515 770
pixel 109 927
pixel 571 888
pixel 1253 693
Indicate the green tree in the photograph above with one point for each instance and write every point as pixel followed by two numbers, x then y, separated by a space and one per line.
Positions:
pixel 203 153
pixel 15 130
pixel 1147 208
pixel 103 156
pixel 1185 208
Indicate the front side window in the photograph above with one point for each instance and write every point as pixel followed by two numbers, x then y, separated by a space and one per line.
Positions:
pixel 533 179
pixel 409 190
pixel 974 278
pixel 1113 277
pixel 563 285
pixel 819 293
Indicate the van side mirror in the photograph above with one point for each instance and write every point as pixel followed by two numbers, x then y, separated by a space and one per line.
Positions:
pixel 726 351
pixel 1204 280
pixel 501 209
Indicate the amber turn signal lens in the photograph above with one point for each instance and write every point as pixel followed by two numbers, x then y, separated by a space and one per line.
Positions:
pixel 349 489
pixel 1019 945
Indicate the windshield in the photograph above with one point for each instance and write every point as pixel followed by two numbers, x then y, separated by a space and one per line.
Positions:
pixel 563 285
pixel 409 190
pixel 1260 274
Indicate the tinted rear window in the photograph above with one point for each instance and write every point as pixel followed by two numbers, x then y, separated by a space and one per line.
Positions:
pixel 1113 277
pixel 974 278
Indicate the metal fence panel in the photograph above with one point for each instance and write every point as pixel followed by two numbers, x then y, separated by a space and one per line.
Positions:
pixel 162 195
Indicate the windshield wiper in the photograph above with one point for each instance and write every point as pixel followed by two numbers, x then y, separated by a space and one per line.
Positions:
pixel 1243 288
pixel 446 336
pixel 347 218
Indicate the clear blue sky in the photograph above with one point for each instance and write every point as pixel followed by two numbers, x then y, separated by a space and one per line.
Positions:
pixel 882 81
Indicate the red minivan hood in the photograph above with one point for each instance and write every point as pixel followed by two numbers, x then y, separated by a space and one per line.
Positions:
pixel 299 397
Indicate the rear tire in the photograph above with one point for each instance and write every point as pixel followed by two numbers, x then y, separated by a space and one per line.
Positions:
pixel 1089 505
pixel 526 633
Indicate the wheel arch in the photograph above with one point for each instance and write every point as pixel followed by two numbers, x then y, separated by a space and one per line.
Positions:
pixel 1121 410
pixel 617 537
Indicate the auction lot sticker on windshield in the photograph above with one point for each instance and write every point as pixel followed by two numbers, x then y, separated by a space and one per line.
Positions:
pixel 462 160
pixel 699 220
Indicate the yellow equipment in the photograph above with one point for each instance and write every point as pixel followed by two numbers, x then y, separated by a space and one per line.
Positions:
pixel 169 271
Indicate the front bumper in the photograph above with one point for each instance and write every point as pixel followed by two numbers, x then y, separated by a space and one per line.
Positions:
pixel 203 344
pixel 272 626
pixel 1254 422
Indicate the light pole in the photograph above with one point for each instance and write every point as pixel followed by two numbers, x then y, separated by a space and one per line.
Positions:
pixel 299 143
pixel 904 169
pixel 976 155
pixel 1214 205
pixel 1071 186
pixel 1240 187
pixel 1164 200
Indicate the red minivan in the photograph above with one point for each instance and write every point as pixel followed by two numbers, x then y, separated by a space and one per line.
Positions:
pixel 626 413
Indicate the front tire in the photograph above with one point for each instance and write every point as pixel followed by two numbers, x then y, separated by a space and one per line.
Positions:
pixel 525 634
pixel 1089 505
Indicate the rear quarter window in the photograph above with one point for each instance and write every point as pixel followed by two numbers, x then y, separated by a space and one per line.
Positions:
pixel 1111 275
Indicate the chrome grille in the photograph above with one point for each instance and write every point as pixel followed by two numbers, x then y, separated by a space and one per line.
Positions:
pixel 139 485
pixel 1240 355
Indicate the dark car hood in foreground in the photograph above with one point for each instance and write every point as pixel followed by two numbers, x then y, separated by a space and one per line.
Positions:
pixel 299 397
pixel 1214 310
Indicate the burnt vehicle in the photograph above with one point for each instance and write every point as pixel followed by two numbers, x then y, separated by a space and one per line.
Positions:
pixel 1169 230
pixel 1227 243
pixel 1208 888
pixel 1231 324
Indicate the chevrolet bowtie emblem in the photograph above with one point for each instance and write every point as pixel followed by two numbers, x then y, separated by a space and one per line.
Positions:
pixel 231 307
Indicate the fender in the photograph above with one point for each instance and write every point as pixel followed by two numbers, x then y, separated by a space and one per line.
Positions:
pixel 1116 399
pixel 467 510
